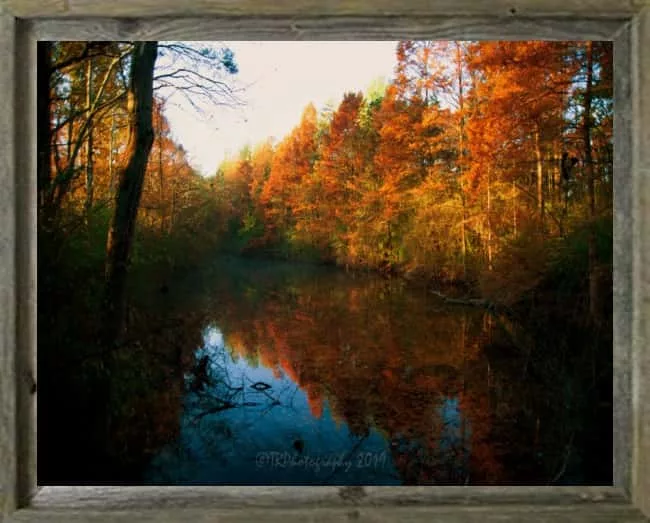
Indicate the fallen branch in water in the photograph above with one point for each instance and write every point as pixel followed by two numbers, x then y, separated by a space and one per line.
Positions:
pixel 472 302
pixel 225 405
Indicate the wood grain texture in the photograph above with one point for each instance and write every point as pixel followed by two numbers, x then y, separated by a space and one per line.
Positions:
pixel 605 513
pixel 324 504
pixel 146 8
pixel 7 270
pixel 641 238
pixel 149 498
pixel 20 8
pixel 623 266
pixel 310 28
pixel 25 106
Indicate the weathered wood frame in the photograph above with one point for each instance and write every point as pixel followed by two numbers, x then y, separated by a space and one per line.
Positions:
pixel 626 22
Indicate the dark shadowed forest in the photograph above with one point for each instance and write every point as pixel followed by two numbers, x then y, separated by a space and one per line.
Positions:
pixel 416 279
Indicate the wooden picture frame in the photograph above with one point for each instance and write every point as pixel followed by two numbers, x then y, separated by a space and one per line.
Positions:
pixel 24 22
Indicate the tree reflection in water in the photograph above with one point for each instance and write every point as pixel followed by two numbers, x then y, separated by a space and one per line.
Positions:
pixel 327 378
pixel 254 425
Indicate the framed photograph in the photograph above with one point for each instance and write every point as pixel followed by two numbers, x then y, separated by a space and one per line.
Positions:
pixel 324 262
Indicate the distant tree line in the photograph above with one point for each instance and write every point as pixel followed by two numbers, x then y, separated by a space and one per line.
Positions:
pixel 471 165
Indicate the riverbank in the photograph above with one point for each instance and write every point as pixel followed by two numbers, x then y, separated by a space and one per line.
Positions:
pixel 532 278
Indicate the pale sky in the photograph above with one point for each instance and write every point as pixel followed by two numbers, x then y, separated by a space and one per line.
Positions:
pixel 280 79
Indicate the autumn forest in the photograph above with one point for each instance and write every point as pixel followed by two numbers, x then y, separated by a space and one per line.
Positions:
pixel 477 182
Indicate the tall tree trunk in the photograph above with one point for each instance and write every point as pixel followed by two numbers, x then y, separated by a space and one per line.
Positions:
pixel 589 171
pixel 61 183
pixel 59 190
pixel 461 153
pixel 489 220
pixel 173 209
pixel 43 126
pixel 160 172
pixel 540 178
pixel 127 199
pixel 90 186
pixel 548 179
pixel 514 208
pixel 556 194
pixel 89 143
pixel 111 147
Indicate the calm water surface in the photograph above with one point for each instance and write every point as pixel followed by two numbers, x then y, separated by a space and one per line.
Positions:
pixel 311 375
pixel 263 373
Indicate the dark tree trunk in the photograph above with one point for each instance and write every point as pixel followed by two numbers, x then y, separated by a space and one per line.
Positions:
pixel 539 178
pixel 111 148
pixel 89 143
pixel 131 178
pixel 43 131
pixel 160 173
pixel 90 185
pixel 589 171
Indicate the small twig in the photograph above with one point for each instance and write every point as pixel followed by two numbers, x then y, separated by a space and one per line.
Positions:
pixel 565 462
pixel 353 450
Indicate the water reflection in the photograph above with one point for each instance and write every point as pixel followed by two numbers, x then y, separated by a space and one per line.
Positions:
pixel 254 372
pixel 323 378
pixel 254 425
